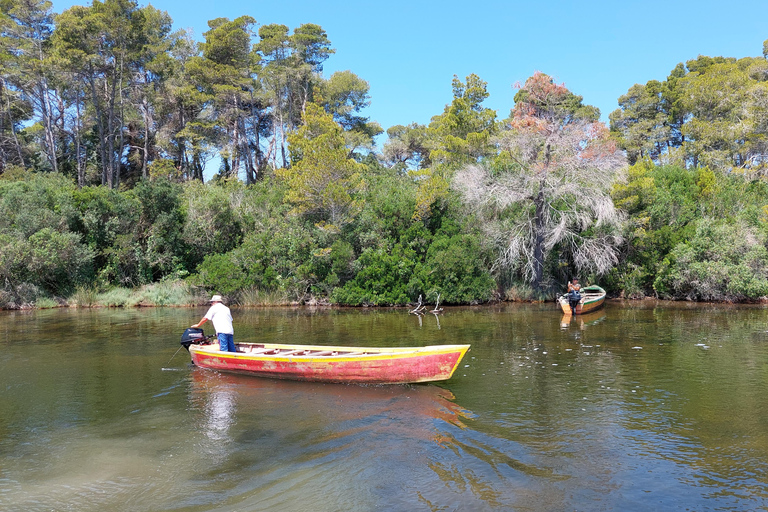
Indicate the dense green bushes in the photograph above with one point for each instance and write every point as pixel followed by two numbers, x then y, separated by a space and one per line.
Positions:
pixel 722 261
pixel 690 234
pixel 39 254
pixel 382 257
pixel 243 241
pixel 693 234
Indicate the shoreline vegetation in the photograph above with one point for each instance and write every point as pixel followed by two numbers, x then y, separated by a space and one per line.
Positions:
pixel 180 294
pixel 103 201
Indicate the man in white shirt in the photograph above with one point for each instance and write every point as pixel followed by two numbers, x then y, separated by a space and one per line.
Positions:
pixel 221 318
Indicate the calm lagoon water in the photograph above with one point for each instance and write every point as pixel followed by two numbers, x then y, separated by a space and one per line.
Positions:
pixel 640 406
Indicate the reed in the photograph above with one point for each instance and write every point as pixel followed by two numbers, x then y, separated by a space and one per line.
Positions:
pixel 84 297
pixel 167 293
pixel 255 297
pixel 46 303
pixel 115 297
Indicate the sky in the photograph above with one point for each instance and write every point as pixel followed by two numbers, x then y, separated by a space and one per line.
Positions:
pixel 409 51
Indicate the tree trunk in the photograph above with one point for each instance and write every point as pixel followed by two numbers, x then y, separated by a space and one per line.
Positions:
pixel 78 157
pixel 4 89
pixel 110 133
pixel 235 145
pixel 147 123
pixel 538 240
pixel 99 112
pixel 538 224
pixel 121 122
pixel 45 107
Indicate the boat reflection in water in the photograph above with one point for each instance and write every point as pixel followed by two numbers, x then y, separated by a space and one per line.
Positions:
pixel 221 396
pixel 582 321
pixel 276 442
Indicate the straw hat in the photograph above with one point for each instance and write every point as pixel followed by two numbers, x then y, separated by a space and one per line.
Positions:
pixel 215 298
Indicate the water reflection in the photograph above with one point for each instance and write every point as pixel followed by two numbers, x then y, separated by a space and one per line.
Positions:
pixel 385 436
pixel 623 410
pixel 582 321
pixel 435 314
pixel 219 411
pixel 409 411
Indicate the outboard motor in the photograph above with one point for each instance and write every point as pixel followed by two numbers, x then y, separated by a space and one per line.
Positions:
pixel 193 336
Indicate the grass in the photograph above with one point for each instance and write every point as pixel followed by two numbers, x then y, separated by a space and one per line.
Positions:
pixel 115 297
pixel 520 293
pixel 257 297
pixel 45 303
pixel 164 293
pixel 84 297
pixel 167 293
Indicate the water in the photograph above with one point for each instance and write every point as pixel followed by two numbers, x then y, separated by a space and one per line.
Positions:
pixel 640 406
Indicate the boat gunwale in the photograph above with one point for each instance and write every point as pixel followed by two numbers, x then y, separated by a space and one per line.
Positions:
pixel 589 295
pixel 338 354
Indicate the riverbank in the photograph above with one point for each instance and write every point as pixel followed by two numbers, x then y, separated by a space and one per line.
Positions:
pixel 180 293
pixel 176 293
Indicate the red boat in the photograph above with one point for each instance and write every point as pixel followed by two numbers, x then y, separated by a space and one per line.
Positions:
pixel 333 364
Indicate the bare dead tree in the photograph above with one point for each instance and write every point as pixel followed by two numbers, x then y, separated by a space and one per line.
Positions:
pixel 437 309
pixel 419 309
pixel 562 166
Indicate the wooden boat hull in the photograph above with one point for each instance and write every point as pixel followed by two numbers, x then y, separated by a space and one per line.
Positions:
pixel 592 298
pixel 334 364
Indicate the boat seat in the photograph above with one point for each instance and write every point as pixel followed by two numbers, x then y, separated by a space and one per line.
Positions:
pixel 294 352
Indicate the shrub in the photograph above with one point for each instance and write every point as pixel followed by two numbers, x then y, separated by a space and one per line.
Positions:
pixel 382 278
pixel 211 224
pixel 455 269
pixel 158 233
pixel 107 218
pixel 222 274
pixel 721 262
pixel 59 261
pixel 42 201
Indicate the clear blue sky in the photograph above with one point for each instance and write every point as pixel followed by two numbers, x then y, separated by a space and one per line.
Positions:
pixel 409 51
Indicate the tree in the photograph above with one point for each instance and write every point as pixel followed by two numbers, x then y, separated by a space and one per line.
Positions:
pixel 150 69
pixel 290 71
pixel 184 133
pixel 462 133
pixel 710 112
pixel 322 179
pixel 311 48
pixel 25 30
pixel 717 93
pixel 344 95
pixel 223 74
pixel 107 46
pixel 406 146
pixel 14 111
pixel 641 122
pixel 548 188
pixel 459 136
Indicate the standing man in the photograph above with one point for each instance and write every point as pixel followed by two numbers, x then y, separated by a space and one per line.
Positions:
pixel 574 294
pixel 221 317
